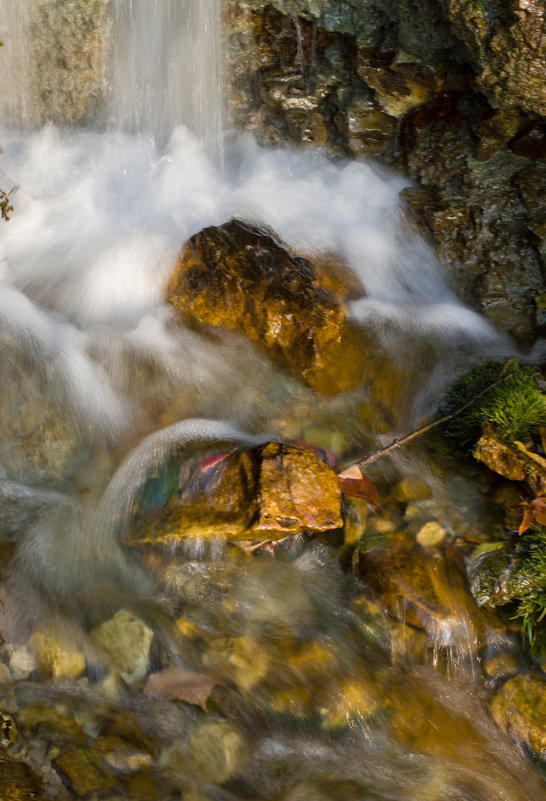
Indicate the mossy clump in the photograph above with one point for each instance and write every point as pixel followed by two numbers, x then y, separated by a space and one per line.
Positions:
pixel 513 407
pixel 529 590
pixel 513 576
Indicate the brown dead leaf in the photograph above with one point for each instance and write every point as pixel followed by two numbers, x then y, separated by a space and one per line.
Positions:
pixel 182 685
pixel 527 519
pixel 533 512
pixel 352 482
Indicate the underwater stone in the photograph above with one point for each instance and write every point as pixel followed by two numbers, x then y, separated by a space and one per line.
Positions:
pixel 124 642
pixel 57 658
pixel 520 707
pixel 215 753
pixel 18 782
pixel 84 771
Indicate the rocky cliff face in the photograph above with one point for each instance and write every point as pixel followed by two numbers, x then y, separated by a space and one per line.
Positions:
pixel 451 93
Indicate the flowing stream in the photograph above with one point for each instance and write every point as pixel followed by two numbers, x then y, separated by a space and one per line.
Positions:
pixel 100 387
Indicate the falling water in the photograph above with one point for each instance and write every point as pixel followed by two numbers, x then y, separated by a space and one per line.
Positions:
pixel 100 387
pixel 167 68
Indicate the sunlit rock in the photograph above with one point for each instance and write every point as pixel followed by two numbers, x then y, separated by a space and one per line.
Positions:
pixel 520 707
pixel 510 462
pixel 124 643
pixel 297 491
pixel 240 278
pixel 266 492
pixel 401 87
pixel 512 56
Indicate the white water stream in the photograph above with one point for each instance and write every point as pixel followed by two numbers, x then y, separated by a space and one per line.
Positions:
pixel 92 364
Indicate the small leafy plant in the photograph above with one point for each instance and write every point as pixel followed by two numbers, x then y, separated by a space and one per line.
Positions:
pixel 6 206
pixel 513 406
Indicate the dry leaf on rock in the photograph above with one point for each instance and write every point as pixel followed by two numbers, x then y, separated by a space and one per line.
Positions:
pixel 182 685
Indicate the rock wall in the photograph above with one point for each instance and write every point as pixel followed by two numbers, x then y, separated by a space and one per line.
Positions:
pixel 451 93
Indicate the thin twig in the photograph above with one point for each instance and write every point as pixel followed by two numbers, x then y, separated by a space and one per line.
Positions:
pixel 398 443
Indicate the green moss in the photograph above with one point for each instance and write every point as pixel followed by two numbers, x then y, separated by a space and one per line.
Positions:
pixel 512 408
pixel 529 587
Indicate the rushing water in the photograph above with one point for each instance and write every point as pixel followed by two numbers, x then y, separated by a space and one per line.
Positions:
pixel 100 388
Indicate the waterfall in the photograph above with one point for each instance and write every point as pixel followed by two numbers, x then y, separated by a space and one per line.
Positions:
pixel 167 68
pixel 143 66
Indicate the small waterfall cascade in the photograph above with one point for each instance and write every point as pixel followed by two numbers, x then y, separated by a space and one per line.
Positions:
pixel 15 75
pixel 112 127
pixel 167 68
pixel 142 66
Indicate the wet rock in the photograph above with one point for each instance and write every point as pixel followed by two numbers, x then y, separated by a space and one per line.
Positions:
pixel 507 43
pixel 215 753
pixel 499 457
pixel 420 588
pixel 510 462
pixel 532 143
pixel 240 278
pixel 18 782
pixel 400 87
pixel 297 491
pixel 124 643
pixel 370 131
pixel 488 567
pixel 84 771
pixel 56 656
pixel 268 492
pixel 502 573
pixel 520 707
